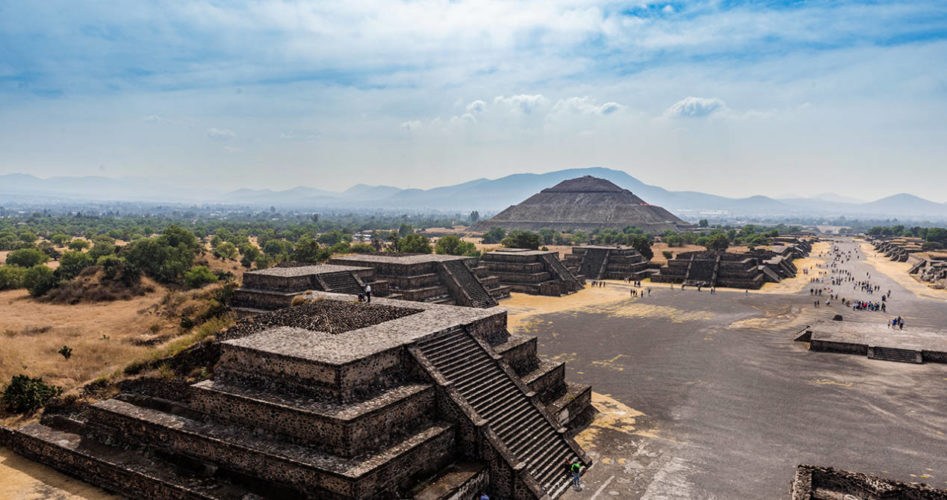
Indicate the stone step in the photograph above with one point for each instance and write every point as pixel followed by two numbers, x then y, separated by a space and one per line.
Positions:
pixel 457 481
pixel 576 399
pixel 127 472
pixel 547 379
pixel 269 458
pixel 345 430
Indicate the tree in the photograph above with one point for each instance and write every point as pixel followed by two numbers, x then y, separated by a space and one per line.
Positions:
pixel 452 245
pixel 405 230
pixel 102 248
pixel 198 276
pixel 642 245
pixel 703 223
pixel 26 257
pixel 226 250
pixel 332 237
pixel 521 239
pixel 250 255
pixel 308 250
pixel 414 243
pixel 474 217
pixel 39 280
pixel 78 245
pixel 494 235
pixel 718 242
pixel 59 239
pixel 72 263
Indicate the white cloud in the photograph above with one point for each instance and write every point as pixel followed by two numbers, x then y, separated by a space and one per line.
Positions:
pixel 476 106
pixel 523 103
pixel 585 105
pixel 411 126
pixel 221 134
pixel 695 107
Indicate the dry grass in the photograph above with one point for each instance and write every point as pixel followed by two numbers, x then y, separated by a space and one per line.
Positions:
pixel 105 337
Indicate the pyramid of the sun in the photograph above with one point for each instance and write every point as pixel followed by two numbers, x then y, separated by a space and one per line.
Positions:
pixel 585 203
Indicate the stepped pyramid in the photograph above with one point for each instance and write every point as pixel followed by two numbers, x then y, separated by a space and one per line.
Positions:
pixel 585 203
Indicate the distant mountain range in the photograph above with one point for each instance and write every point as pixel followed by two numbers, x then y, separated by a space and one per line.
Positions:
pixel 485 195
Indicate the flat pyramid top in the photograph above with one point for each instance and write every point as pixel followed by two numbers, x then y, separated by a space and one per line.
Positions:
pixel 586 184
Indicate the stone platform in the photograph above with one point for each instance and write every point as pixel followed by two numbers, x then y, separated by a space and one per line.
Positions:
pixel 376 409
pixel 441 279
pixel 536 272
pixel 274 288
pixel 598 262
pixel 912 345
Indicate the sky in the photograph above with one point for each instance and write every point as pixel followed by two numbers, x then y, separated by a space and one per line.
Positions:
pixel 734 98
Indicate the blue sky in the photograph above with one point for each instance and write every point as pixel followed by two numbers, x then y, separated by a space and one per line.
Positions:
pixel 730 97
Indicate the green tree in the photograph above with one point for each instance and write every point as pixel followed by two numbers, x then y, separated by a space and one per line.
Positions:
pixel 362 248
pixel 703 223
pixel 404 230
pixel 102 248
pixel 250 255
pixel 39 280
pixel 59 239
pixel 308 250
pixel 332 237
pixel 414 243
pixel 494 235
pixel 78 245
pixel 26 257
pixel 226 250
pixel 199 276
pixel 642 245
pixel 452 245
pixel 521 239
pixel 72 263
pixel 718 242
pixel 11 277
pixel 474 217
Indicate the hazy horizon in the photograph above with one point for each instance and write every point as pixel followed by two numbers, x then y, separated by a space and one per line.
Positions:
pixel 730 98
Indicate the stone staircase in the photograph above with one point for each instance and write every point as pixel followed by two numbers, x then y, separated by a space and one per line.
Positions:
pixel 511 411
pixel 555 265
pixel 594 263
pixel 342 283
pixel 467 282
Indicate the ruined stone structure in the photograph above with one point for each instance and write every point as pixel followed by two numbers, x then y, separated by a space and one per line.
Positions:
pixel 722 269
pixel 273 288
pixel 898 249
pixel 826 483
pixel 585 203
pixel 442 279
pixel 930 267
pixel 372 410
pixel 535 272
pixel 607 263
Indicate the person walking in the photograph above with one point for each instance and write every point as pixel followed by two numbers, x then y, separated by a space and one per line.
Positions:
pixel 368 293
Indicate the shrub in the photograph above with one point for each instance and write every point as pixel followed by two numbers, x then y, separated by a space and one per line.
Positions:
pixel 26 257
pixel 39 280
pixel 643 246
pixel 102 248
pixel 66 352
pixel 11 277
pixel 226 251
pixel 25 394
pixel 667 254
pixel 199 276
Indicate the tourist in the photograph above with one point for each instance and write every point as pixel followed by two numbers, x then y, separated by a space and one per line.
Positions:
pixel 483 496
pixel 576 469
pixel 368 293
